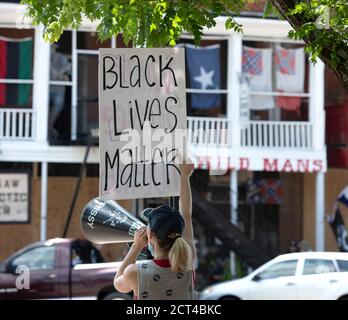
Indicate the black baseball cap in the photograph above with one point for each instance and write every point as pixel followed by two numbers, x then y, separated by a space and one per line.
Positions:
pixel 166 222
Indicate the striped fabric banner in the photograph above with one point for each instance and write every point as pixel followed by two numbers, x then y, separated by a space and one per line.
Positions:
pixel 16 59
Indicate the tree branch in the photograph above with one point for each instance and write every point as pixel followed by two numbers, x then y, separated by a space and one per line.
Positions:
pixel 336 43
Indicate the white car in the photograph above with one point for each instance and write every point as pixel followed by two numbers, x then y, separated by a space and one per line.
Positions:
pixel 302 275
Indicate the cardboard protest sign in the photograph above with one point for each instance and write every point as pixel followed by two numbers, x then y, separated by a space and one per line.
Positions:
pixel 142 121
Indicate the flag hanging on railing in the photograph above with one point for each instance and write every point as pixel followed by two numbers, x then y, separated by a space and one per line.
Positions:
pixel 204 70
pixel 289 65
pixel 15 63
pixel 257 66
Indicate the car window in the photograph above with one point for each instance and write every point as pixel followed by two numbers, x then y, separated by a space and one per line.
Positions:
pixel 316 266
pixel 280 269
pixel 84 252
pixel 343 265
pixel 41 258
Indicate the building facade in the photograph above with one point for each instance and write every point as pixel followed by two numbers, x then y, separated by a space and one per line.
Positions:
pixel 260 151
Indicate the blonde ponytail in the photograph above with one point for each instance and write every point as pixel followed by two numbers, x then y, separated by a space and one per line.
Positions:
pixel 180 256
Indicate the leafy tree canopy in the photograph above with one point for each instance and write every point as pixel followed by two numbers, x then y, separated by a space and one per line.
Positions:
pixel 322 24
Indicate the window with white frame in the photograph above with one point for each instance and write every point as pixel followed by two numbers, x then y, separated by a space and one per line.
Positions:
pixel 60 88
pixel 74 86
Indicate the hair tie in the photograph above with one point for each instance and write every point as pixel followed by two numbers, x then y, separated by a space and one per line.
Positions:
pixel 174 236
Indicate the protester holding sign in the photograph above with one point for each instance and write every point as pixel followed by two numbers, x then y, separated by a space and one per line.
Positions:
pixel 169 236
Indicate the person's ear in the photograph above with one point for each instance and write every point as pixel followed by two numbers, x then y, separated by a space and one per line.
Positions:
pixel 151 237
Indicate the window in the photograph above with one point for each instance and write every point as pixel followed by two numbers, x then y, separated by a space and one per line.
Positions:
pixel 87 95
pixel 343 265
pixel 74 91
pixel 16 68
pixel 316 266
pixel 41 258
pixel 280 269
pixel 84 252
pixel 89 41
pixel 60 89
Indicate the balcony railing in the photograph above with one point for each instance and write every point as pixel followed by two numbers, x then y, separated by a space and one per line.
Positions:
pixel 277 134
pixel 215 132
pixel 17 124
pixel 20 125
pixel 208 132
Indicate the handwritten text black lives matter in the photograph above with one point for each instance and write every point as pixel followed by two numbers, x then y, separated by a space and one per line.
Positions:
pixel 141 93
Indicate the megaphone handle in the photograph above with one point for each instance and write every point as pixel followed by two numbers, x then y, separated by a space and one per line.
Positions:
pixel 145 252
pixel 174 202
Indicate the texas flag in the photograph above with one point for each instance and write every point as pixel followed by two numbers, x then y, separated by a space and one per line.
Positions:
pixel 257 67
pixel 204 70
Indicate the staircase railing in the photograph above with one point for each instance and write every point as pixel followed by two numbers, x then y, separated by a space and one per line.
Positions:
pixel 233 238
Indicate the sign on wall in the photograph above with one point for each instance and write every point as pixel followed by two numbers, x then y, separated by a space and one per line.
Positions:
pixel 14 197
pixel 142 122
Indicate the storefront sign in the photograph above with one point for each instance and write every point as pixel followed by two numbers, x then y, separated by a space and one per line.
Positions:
pixel 142 104
pixel 221 163
pixel 14 197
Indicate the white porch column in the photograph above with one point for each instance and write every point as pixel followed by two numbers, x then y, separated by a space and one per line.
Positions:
pixel 317 119
pixel 41 84
pixel 234 65
pixel 234 213
pixel 320 211
pixel 74 87
pixel 43 217
pixel 316 104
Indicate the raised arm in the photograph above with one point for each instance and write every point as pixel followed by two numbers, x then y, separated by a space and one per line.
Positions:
pixel 185 206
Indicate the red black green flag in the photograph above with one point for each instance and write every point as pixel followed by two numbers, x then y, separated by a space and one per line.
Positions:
pixel 16 59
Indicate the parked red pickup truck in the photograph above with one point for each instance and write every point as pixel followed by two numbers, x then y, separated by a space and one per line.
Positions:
pixel 59 269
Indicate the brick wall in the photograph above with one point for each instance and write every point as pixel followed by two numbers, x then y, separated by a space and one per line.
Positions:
pixel 335 94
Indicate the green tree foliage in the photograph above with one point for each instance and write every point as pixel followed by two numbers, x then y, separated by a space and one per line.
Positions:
pixel 322 24
pixel 150 23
